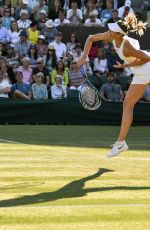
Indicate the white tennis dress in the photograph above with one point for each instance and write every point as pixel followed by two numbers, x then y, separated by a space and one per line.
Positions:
pixel 141 72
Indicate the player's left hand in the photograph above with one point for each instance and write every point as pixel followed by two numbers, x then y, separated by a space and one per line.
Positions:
pixel 119 65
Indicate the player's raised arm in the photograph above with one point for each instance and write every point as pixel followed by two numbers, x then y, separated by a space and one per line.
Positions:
pixel 89 41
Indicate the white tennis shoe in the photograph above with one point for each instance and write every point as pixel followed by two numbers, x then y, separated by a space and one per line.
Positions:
pixel 117 148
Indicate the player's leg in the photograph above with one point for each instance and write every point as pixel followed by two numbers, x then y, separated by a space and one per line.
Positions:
pixel 134 93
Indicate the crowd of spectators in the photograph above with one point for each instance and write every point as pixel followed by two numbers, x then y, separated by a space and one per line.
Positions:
pixel 35 63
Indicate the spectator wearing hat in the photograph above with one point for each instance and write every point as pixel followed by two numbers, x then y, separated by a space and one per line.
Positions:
pixel 32 54
pixel 33 33
pixel 39 90
pixel 50 58
pixel 41 68
pixel 14 33
pixel 20 89
pixel 49 31
pixel 61 21
pixel 22 47
pixel 26 70
pixel 124 10
pixel 58 90
pixel 4 34
pixel 7 19
pixel 42 19
pixel 60 70
pixel 40 6
pixel 60 47
pixel 23 22
pixel 93 20
pixel 111 91
pixel 41 46
pixel 74 15
pixel 24 6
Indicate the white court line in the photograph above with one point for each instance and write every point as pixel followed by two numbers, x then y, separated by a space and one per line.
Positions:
pixel 13 142
pixel 80 206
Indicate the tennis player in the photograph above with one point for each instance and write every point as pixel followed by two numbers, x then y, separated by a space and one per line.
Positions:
pixel 129 50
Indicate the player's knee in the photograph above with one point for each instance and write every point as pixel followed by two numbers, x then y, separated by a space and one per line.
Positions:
pixel 128 104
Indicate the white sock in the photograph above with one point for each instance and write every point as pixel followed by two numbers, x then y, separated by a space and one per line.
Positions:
pixel 120 142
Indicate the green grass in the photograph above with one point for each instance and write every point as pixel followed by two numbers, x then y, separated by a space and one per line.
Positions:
pixel 59 178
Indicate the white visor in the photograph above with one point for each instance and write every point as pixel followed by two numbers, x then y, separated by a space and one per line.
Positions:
pixel 115 28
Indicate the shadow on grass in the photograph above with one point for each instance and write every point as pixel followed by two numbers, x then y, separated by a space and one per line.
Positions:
pixel 71 190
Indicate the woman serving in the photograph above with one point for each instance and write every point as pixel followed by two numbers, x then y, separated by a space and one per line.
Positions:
pixel 128 50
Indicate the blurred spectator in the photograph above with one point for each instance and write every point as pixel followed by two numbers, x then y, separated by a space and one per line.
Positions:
pixel 61 21
pixel 124 10
pixel 42 19
pixel 5 86
pixel 4 34
pixel 90 8
pixel 61 71
pixel 59 46
pixel 68 59
pixel 41 68
pixel 1 49
pixel 14 33
pixel 6 70
pixel 74 15
pixel 111 91
pixel 12 57
pixel 78 51
pixel 21 90
pixel 33 33
pixel 23 22
pixel 118 3
pixel 40 6
pixel 73 40
pixel 146 95
pixel 22 47
pixel 7 19
pixel 23 6
pixel 58 90
pixel 100 63
pixel 107 13
pixel 93 20
pixel 99 7
pixel 112 59
pixel 49 31
pixel 76 77
pixel 41 46
pixel 6 4
pixel 39 90
pixel 32 54
pixel 26 70
pixel 54 12
pixel 114 17
pixel 50 58
pixel 107 47
pixel 31 3
pixel 139 8
pixel 93 53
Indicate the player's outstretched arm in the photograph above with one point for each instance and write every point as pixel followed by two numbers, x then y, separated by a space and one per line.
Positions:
pixel 89 41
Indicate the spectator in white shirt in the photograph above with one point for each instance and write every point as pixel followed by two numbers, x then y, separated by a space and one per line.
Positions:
pixel 61 21
pixel 59 46
pixel 58 90
pixel 4 86
pixel 126 8
pixel 23 22
pixel 14 33
pixel 93 20
pixel 100 63
pixel 74 15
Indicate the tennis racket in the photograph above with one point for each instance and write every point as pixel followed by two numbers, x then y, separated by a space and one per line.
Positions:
pixel 89 96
